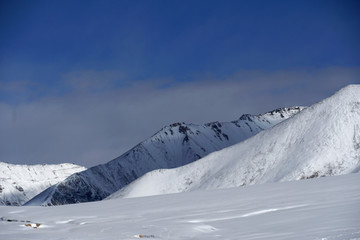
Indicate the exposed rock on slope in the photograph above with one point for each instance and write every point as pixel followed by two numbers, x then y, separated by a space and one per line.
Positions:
pixel 322 140
pixel 173 146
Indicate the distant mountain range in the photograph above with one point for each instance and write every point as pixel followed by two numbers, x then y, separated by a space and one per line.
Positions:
pixel 20 183
pixel 322 140
pixel 173 146
pixel 282 145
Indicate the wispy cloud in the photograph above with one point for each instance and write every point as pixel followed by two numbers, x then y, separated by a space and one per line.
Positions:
pixel 89 127
pixel 90 81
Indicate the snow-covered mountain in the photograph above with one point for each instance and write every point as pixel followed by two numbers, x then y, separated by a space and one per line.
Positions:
pixel 321 140
pixel 173 146
pixel 20 183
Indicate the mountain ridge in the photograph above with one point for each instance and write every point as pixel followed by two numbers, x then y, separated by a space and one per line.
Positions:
pixel 321 140
pixel 175 145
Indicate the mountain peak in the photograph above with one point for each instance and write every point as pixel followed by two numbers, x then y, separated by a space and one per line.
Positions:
pixel 350 88
pixel 348 94
pixel 321 140
pixel 175 145
pixel 177 124
pixel 279 112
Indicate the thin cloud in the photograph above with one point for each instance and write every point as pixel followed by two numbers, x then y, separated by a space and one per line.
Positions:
pixel 92 81
pixel 89 128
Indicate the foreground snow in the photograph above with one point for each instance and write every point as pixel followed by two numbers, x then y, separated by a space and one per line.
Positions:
pixel 324 208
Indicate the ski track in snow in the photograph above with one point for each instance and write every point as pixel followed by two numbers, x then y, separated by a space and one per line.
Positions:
pixel 317 209
pixel 246 215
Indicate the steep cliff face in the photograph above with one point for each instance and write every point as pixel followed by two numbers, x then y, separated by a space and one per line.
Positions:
pixel 173 146
pixel 322 140
pixel 20 183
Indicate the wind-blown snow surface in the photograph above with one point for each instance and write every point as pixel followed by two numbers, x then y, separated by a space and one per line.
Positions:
pixel 321 140
pixel 173 146
pixel 19 183
pixel 315 209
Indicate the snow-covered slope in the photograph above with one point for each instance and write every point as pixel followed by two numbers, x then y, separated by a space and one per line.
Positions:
pixel 173 146
pixel 315 209
pixel 19 183
pixel 321 140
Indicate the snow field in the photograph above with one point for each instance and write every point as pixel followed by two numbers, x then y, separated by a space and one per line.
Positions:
pixel 324 208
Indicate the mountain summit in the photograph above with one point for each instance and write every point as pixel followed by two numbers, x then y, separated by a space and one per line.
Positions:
pixel 321 140
pixel 173 146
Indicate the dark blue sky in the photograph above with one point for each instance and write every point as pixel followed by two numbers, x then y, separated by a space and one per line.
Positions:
pixel 40 41
pixel 84 81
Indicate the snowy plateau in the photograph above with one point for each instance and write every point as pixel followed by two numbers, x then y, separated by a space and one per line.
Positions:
pixel 173 146
pixel 20 183
pixel 314 209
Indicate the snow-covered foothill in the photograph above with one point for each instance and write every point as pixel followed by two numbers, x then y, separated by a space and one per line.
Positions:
pixel 321 140
pixel 20 183
pixel 173 146
pixel 316 209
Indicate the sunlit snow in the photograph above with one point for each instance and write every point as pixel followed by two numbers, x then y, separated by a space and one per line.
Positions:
pixel 20 183
pixel 319 209
pixel 173 146
pixel 321 140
